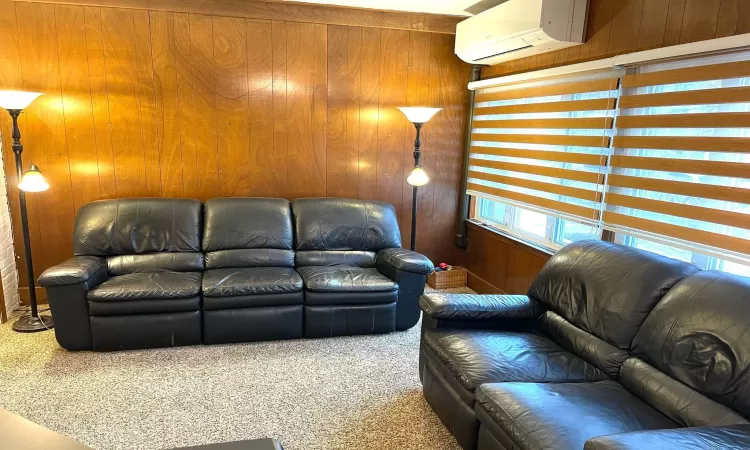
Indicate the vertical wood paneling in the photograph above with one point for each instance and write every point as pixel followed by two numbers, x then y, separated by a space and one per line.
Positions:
pixel 338 72
pixel 159 103
pixel 280 140
pixel 77 110
pixel 299 104
pixel 673 27
pixel 100 102
pixel 147 102
pixel 626 25
pixel 729 12
pixel 353 108
pixel 394 60
pixel 232 115
pixel 653 21
pixel 369 112
pixel 699 20
pixel 124 111
pixel 260 82
pixel 167 103
pixel 204 101
pixel 186 107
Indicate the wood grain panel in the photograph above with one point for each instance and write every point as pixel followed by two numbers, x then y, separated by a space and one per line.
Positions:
pixel 260 82
pixel 498 264
pixel 369 111
pixel 621 26
pixel 100 102
pixel 338 71
pixel 167 103
pixel 177 104
pixel 76 102
pixel 183 59
pixel 124 113
pixel 147 102
pixel 232 115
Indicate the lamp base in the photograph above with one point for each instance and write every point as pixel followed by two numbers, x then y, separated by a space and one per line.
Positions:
pixel 31 324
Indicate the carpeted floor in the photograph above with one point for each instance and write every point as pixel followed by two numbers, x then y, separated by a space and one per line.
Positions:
pixel 358 392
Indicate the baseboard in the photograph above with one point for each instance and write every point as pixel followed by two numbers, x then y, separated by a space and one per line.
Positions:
pixel 482 286
pixel 23 294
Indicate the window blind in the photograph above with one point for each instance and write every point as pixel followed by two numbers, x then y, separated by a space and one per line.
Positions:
pixel 544 145
pixel 681 163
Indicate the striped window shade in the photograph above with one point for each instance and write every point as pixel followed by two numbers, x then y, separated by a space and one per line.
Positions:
pixel 680 171
pixel 544 145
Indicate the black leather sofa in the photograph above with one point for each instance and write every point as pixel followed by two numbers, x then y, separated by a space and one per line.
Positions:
pixel 613 348
pixel 167 272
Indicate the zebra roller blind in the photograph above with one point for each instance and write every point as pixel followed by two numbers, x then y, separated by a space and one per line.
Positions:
pixel 544 145
pixel 681 163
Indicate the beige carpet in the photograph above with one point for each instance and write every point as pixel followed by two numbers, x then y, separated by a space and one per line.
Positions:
pixel 358 392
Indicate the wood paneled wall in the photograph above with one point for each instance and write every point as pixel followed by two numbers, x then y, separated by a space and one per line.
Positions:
pixel 622 26
pixel 171 104
pixel 499 265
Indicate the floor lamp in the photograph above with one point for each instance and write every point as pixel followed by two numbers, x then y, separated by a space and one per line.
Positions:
pixel 418 177
pixel 30 181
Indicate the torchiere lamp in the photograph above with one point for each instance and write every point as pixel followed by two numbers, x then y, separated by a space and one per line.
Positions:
pixel 418 177
pixel 30 181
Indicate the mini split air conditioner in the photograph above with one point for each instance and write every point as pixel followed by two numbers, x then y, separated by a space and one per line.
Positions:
pixel 520 28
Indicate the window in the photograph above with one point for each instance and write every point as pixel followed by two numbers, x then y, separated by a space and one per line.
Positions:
pixel 659 155
pixel 542 229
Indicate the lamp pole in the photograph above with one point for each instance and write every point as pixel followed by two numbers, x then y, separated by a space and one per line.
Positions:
pixel 15 102
pixel 417 156
pixel 34 322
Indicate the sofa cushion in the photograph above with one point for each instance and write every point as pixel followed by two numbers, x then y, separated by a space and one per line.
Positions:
pixel 606 289
pixel 698 335
pixel 345 279
pixel 137 225
pixel 253 301
pixel 564 416
pixel 233 223
pixel 144 306
pixel 250 281
pixel 344 224
pixel 141 286
pixel 477 357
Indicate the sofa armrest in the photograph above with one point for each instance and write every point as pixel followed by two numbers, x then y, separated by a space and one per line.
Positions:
pixel 479 307
pixel 726 437
pixel 404 260
pixel 79 269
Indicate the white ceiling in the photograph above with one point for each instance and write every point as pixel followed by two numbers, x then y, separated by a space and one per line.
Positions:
pixel 455 7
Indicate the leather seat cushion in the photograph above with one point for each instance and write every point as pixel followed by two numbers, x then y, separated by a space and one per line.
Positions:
pixel 478 357
pixel 148 285
pixel 565 415
pixel 250 281
pixel 345 279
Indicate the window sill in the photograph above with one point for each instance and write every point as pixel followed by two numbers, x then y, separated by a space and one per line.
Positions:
pixel 517 239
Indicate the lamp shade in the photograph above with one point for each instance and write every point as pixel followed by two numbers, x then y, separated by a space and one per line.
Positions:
pixel 418 177
pixel 17 99
pixel 419 114
pixel 33 181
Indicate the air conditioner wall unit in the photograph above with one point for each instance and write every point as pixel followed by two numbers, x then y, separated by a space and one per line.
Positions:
pixel 520 28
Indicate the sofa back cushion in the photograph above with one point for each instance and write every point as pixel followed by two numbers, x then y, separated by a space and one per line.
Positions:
pixel 134 226
pixel 699 335
pixel 248 232
pixel 344 224
pixel 606 289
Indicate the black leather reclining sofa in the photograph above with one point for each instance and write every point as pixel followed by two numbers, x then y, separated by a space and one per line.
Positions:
pixel 165 272
pixel 613 349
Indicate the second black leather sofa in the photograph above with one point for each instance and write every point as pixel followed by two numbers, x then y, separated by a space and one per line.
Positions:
pixel 165 272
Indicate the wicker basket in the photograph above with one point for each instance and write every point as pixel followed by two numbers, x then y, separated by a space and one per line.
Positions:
pixel 453 278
